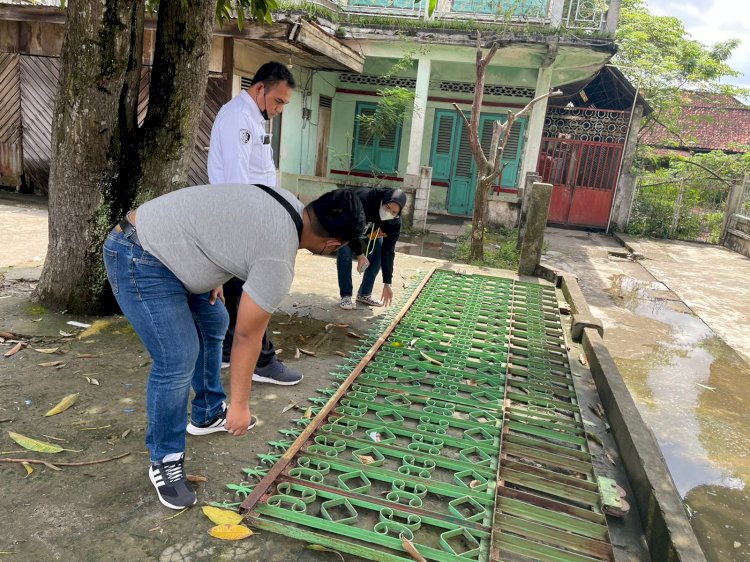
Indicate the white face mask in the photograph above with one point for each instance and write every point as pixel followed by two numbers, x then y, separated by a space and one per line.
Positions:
pixel 386 214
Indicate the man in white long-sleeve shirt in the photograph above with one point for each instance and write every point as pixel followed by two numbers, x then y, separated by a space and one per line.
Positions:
pixel 240 152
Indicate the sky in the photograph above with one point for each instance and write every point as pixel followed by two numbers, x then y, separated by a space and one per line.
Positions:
pixel 712 21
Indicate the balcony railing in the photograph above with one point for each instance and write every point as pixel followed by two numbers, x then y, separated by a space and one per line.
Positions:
pixel 576 14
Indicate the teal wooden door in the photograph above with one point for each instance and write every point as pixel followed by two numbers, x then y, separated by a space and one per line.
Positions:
pixel 452 161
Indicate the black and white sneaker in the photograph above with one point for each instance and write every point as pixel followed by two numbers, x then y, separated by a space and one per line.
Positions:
pixel 216 424
pixel 172 486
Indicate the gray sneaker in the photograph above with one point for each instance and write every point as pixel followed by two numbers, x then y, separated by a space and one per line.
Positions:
pixel 277 373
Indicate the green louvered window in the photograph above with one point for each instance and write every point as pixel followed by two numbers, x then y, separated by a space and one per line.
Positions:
pixel 378 155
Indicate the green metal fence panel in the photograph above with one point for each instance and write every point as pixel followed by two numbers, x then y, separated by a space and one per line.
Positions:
pixel 455 429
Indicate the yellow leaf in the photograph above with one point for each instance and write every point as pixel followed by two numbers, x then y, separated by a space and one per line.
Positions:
pixel 308 413
pixel 47 350
pixel 220 516
pixel 230 532
pixel 33 444
pixel 28 468
pixel 63 405
pixel 397 344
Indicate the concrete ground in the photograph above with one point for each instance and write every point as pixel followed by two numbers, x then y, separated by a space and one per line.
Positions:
pixel 710 281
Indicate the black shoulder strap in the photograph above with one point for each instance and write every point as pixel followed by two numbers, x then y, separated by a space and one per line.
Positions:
pixel 287 205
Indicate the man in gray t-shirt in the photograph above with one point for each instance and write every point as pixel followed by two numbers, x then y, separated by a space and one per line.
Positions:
pixel 166 263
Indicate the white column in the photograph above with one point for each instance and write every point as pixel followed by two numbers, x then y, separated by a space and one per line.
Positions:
pixel 417 119
pixel 536 124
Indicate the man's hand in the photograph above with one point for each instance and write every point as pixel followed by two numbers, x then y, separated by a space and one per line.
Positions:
pixel 238 418
pixel 387 296
pixel 217 293
pixel 362 263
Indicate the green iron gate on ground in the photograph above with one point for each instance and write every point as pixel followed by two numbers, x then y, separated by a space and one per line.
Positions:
pixel 456 429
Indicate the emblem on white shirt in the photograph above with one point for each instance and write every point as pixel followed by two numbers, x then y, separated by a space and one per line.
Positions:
pixel 244 136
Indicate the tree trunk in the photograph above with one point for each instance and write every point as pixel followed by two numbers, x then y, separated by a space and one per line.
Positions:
pixel 89 141
pixel 478 218
pixel 180 73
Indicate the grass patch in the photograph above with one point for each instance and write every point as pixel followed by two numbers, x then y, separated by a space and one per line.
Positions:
pixel 500 249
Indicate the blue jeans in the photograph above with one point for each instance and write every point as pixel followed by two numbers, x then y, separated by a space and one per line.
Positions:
pixel 182 332
pixel 344 257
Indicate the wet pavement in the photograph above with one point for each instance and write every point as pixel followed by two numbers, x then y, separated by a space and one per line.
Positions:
pixel 674 323
pixel 690 385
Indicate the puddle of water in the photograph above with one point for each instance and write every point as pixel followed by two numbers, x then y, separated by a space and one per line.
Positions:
pixel 431 245
pixel 692 392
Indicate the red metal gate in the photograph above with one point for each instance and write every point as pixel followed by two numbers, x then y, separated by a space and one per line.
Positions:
pixel 583 175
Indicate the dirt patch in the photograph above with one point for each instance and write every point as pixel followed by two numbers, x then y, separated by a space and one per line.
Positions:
pixel 110 510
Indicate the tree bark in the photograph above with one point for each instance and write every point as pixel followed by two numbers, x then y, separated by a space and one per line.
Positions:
pixel 180 73
pixel 89 141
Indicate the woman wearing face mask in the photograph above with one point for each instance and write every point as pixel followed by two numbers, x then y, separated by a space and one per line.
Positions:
pixel 376 251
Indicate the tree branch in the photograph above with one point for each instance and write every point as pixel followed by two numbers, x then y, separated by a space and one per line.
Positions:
pixel 54 465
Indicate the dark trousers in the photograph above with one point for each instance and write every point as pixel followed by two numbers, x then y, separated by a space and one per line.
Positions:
pixel 232 294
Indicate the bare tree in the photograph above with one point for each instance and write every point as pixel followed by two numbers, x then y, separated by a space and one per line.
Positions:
pixel 490 167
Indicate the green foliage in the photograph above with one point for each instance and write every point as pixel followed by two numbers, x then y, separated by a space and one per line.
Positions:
pixel 393 105
pixel 258 10
pixel 500 248
pixel 659 56
pixel 684 198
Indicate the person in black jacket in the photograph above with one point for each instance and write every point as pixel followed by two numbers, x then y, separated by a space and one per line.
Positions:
pixel 376 251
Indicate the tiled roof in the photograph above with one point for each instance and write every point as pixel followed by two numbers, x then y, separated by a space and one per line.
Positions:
pixel 710 122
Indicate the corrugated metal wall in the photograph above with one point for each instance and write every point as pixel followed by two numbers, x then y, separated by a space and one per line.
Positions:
pixel 10 120
pixel 27 100
pixel 39 77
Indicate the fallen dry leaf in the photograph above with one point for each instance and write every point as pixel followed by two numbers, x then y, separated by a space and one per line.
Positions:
pixel 196 478
pixel 230 532
pixel 220 516
pixel 475 483
pixel 15 349
pixel 6 335
pixel 292 404
pixel 307 352
pixel 301 338
pixel 125 433
pixel 471 382
pixel 365 459
pixel 354 335
pixel 296 353
pixel 341 353
pixel 28 468
pixel 322 548
pixel 63 405
pixel 582 360
pixel 411 549
pixel 430 359
pixel 92 380
pixel 375 436
pixel 87 356
pixel 278 351
pixel 308 413
pixel 67 334
pixel 47 350
pixel 50 364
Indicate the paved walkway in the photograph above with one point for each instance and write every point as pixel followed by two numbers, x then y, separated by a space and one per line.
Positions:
pixel 713 281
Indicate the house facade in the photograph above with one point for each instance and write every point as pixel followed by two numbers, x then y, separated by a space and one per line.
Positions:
pixel 343 53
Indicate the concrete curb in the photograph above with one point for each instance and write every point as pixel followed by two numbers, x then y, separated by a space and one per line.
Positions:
pixel 668 533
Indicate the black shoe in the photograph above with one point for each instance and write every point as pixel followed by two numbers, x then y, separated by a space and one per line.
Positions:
pixel 277 373
pixel 172 486
pixel 216 424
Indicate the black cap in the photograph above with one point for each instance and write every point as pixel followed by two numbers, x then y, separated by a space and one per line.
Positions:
pixel 396 196
pixel 340 213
